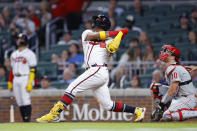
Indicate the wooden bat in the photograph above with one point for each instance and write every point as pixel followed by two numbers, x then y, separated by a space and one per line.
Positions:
pixel 11 108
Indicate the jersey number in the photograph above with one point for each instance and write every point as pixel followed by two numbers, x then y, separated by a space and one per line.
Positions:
pixel 174 75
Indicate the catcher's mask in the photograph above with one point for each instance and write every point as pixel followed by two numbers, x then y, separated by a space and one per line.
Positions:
pixel 169 50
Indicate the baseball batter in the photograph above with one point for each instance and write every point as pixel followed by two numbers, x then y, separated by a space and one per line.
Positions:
pixel 181 91
pixel 97 46
pixel 23 62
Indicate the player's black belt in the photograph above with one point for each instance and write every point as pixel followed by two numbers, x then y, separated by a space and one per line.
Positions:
pixel 19 75
pixel 95 65
pixel 185 82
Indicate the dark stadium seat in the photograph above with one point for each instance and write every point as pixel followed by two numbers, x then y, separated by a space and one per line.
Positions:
pixel 59 48
pixel 45 55
pixel 50 69
pixel 4 85
pixel 162 8
pixel 145 79
pixel 183 7
pixel 59 85
pixel 76 34
pixel 2 78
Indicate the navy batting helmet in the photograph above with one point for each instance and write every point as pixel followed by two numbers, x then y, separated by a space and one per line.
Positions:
pixel 101 21
pixel 22 35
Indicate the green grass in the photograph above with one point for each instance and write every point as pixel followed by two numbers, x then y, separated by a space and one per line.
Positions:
pixel 100 126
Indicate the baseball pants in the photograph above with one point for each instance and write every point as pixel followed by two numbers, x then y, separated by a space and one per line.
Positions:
pixel 20 92
pixel 95 78
pixel 181 108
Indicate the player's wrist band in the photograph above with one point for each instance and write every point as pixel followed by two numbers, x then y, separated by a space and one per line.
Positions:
pixel 166 98
pixel 102 35
pixel 113 33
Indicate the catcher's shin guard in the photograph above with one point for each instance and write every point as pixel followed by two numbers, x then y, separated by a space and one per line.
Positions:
pixel 140 114
pixel 53 115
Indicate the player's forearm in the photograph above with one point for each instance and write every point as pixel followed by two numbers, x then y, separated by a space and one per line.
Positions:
pixel 102 35
pixel 170 93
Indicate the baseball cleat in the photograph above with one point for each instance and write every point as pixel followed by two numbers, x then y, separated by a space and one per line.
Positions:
pixel 53 115
pixel 140 113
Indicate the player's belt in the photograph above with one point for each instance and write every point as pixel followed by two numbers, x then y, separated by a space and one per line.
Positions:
pixel 95 65
pixel 185 83
pixel 19 75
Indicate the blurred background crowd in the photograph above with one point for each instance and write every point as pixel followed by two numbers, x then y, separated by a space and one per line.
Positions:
pixel 54 29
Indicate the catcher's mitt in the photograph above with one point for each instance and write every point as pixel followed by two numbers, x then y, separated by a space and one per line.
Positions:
pixel 157 114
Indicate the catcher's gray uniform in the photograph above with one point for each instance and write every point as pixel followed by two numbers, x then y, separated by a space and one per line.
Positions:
pixel 184 101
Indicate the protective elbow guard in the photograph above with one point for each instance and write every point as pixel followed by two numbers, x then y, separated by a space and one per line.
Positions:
pixel 113 46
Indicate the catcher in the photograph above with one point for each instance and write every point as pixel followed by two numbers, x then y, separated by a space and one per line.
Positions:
pixel 181 93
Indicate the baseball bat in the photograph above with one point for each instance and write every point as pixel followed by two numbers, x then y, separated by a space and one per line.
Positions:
pixel 11 108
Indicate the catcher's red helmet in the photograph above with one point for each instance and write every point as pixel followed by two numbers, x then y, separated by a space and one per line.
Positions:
pixel 169 49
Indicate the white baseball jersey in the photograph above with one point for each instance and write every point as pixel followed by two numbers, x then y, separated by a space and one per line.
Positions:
pixel 94 52
pixel 95 78
pixel 177 72
pixel 21 61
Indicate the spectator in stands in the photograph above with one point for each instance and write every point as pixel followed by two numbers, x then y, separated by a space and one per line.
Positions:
pixel 135 82
pixel 194 18
pixel 54 58
pixel 144 39
pixel 45 14
pixel 112 7
pixel 7 16
pixel 114 10
pixel 14 31
pixel 45 17
pixel 73 67
pixel 161 65
pixel 74 10
pixel 138 9
pixel 113 24
pixel 80 45
pixel 149 53
pixel 3 73
pixel 17 8
pixel 2 22
pixel 184 21
pixel 67 39
pixel 192 37
pixel 67 76
pixel 34 17
pixel 63 62
pixel 130 24
pixel 88 24
pixel 45 83
pixel 134 42
pixel 75 57
pixel 25 23
pixel 158 77
pixel 58 8
pixel 133 54
pixel 7 64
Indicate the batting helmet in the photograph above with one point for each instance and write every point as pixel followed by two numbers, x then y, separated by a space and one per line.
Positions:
pixel 101 21
pixel 168 49
pixel 24 37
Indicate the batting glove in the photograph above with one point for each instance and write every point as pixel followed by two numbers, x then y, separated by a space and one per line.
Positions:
pixel 29 87
pixel 10 87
